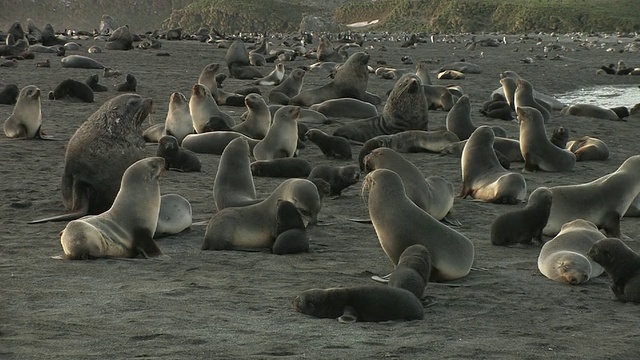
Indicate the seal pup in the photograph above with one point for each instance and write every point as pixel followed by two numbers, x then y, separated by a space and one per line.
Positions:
pixel 129 85
pixel 482 175
pixel 587 148
pixel 458 120
pixel 80 62
pixel 282 137
pixel 350 80
pixel 178 122
pixel 214 142
pixel 203 108
pixel 560 137
pixel 413 270
pixel 346 107
pixel 288 88
pixel 623 266
pixel 523 225
pixel 238 63
pixel 360 303
pixel 92 82
pixel 433 194
pixel 233 184
pixel 252 227
pixel 72 90
pixel 602 201
pixel 590 110
pixel 288 167
pixel 405 109
pixel 538 152
pixel 291 234
pixel 331 146
pixel 338 177
pixel 564 258
pixel 274 78
pixel 258 120
pixel 26 119
pixel 9 94
pixel 175 216
pixel 452 253
pixel 126 229
pixel 209 78
pixel 497 108
pixel 175 157
pixel 98 154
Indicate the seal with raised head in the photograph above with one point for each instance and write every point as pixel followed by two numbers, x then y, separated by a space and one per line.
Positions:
pixel 338 177
pixel 538 151
pixel 326 52
pixel 602 201
pixel 564 258
pixel 237 59
pixel 523 225
pixel 587 148
pixel 623 266
pixel 543 99
pixel 175 216
pixel 413 270
pixel 203 108
pixel 433 194
pixel 98 154
pixel 452 253
pixel 178 122
pixel 350 80
pixel 291 234
pixel 252 227
pixel 360 303
pixel 288 88
pixel 129 85
pixel 523 97
pixel 126 229
pixel 209 78
pixel 458 120
pixel 233 184
pixel 405 109
pixel 120 39
pixel 482 175
pixel 331 146
pixel 26 119
pixel 560 137
pixel 92 82
pixel 282 137
pixel 258 120
pixel 175 157
pixel 288 167
pixel 273 78
pixel 70 89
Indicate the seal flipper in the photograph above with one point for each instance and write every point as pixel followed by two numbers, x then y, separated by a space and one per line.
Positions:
pixel 611 224
pixel 144 244
pixel 349 316
pixel 451 220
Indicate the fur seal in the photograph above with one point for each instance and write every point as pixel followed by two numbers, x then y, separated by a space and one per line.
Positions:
pixel 92 82
pixel 288 167
pixel 538 152
pixel 543 99
pixel 129 85
pixel 233 184
pixel 405 109
pixel 564 258
pixel 9 94
pixel 338 177
pixel 509 148
pixel 360 303
pixel 438 97
pixel 291 234
pixel 623 266
pixel 590 110
pixel 252 226
pixel 178 122
pixel 497 108
pixel 482 175
pixel 175 215
pixel 237 59
pixel 524 97
pixel 126 229
pixel 203 108
pixel 451 75
pixel 80 62
pixel 175 157
pixel 602 201
pixel 273 78
pixel 258 120
pixel 523 225
pixel 213 142
pixel 350 80
pixel 560 137
pixel 588 148
pixel 410 141
pixel 326 52
pixel 26 119
pixel 282 137
pixel 346 107
pixel 209 78
pixel 462 66
pixel 433 194
pixel 458 120
pixel 72 90
pixel 331 146
pixel 288 88
pixel 98 154
pixel 452 253
pixel 120 39
pixel 413 270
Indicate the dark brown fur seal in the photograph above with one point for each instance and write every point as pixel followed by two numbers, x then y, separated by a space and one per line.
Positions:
pixel 129 85
pixel 338 177
pixel 72 90
pixel 9 94
pixel 291 234
pixel 623 266
pixel 293 167
pixel 92 82
pixel 523 225
pixel 413 270
pixel 175 157
pixel 331 146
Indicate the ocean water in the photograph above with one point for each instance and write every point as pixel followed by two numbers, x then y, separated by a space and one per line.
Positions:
pixel 605 96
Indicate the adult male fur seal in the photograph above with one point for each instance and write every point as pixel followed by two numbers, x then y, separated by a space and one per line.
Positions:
pixel 564 258
pixel 623 266
pixel 252 227
pixel 405 109
pixel 350 80
pixel 26 119
pixel 127 228
pixel 360 303
pixel 602 201
pixel 482 175
pixel 538 152
pixel 98 154
pixel 452 253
